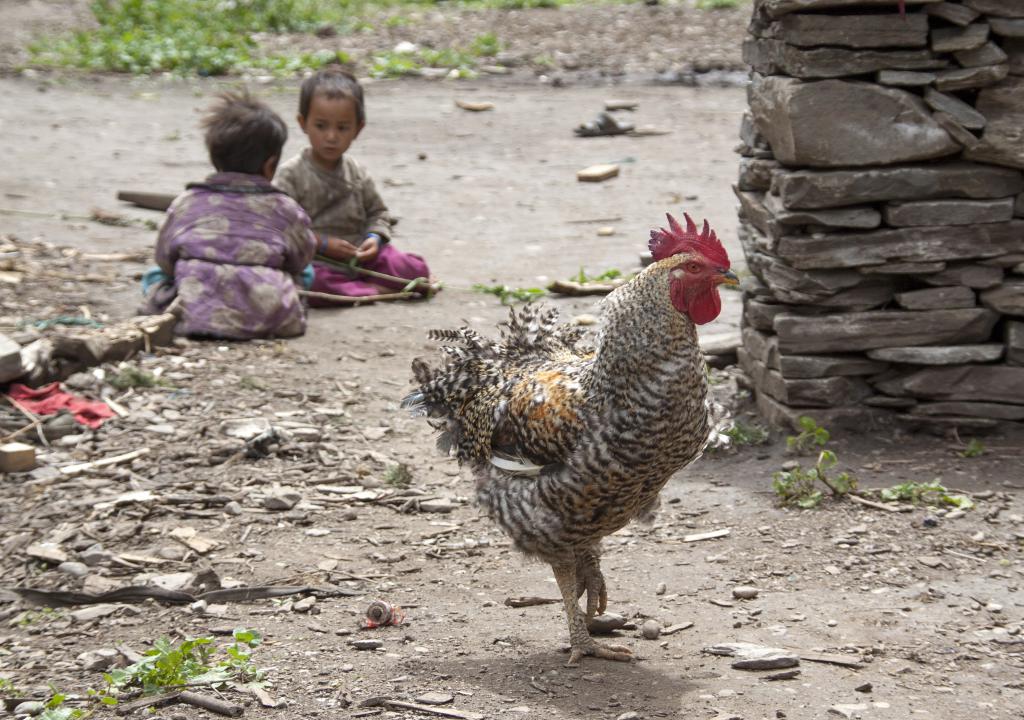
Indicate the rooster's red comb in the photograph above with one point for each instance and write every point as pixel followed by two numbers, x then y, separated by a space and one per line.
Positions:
pixel 666 243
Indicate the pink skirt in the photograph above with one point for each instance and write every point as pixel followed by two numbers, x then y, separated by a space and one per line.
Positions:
pixel 327 279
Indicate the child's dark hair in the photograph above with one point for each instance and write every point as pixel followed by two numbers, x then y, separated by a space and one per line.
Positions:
pixel 332 82
pixel 242 133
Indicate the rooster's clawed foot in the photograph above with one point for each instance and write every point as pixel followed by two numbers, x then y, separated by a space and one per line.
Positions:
pixel 620 653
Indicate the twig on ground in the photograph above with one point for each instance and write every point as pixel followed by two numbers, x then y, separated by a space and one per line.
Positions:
pixel 356 299
pixel 878 505
pixel 79 468
pixel 443 712
pixel 530 601
pixel 34 419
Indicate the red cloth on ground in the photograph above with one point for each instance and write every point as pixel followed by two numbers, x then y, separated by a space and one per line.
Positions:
pixel 50 399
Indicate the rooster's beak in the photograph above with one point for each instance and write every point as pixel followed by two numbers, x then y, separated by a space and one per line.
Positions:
pixel 727 277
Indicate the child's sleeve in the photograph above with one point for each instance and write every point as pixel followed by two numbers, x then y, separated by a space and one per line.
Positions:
pixel 377 218
pixel 284 181
pixel 300 241
pixel 166 253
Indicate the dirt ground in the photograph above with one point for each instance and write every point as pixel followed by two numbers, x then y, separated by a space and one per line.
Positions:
pixel 927 606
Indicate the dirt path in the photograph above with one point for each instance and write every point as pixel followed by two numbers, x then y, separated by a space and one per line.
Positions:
pixel 929 605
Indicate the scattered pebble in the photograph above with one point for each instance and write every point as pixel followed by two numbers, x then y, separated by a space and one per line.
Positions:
pixel 651 629
pixel 745 592
pixel 435 698
pixel 366 644
pixel 660 590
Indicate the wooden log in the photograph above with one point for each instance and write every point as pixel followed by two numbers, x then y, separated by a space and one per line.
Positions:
pixel 148 200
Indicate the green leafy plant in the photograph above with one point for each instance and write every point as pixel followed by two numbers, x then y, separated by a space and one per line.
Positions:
pixel 56 710
pixel 485 45
pixel 974 449
pixel 798 486
pixel 9 689
pixel 510 296
pixel 132 377
pixel 190 662
pixel 717 4
pixel 931 493
pixel 582 278
pixel 810 435
pixel 746 434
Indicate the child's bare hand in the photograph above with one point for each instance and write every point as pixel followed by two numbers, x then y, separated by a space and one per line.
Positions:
pixel 341 249
pixel 369 250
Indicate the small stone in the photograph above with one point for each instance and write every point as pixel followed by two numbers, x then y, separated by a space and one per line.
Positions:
pixel 74 569
pixel 661 589
pixel 605 231
pixel 101 659
pixel 605 624
pixel 831 623
pixel 994 607
pixel 366 644
pixel 930 561
pixel 92 612
pixel 755 657
pixel 865 688
pixel 631 715
pixel 585 319
pixel 441 505
pixel 233 508
pixel 47 552
pixel 198 607
pixel 347 668
pixel 651 629
pixel 435 698
pixel 848 710
pixel 173 581
pixel 305 604
pixel 745 592
pixel 282 499
pixel 930 521
pixel 29 707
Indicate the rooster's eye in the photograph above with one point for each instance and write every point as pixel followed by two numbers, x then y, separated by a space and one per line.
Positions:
pixel 692 266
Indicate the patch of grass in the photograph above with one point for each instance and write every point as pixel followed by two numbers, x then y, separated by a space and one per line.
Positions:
pixel 717 4
pixel 510 296
pixel 933 493
pixel 974 449
pixel 133 377
pixel 188 36
pixel 811 435
pixel 55 709
pixel 396 64
pixel 743 434
pixel 486 45
pixel 9 689
pixel 193 661
pixel 612 274
pixel 398 475
pixel 251 383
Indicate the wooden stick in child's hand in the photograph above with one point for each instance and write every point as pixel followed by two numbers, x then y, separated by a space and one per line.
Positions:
pixel 356 299
pixel 370 273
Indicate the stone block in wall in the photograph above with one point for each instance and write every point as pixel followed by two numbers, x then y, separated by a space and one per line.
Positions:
pixel 1011 28
pixel 1018 206
pixel 967 383
pixel 999 8
pixel 880 126
pixel 816 366
pixel 952 12
pixel 964 113
pixel 856 332
pixel 964 137
pixel 814 189
pixel 752 210
pixel 948 212
pixel 886 401
pixel 862 217
pixel 774 57
pixel 937 298
pixel 831 289
pixel 761 314
pixel 1002 142
pixel 778 8
pixel 939 355
pixel 756 174
pixel 971 78
pixel 1003 261
pixel 804 392
pixel 1014 342
pixel 905 268
pixel 905 78
pixel 979 277
pixel 857 418
pixel 954 39
pixel 987 54
pixel 914 244
pixel 995 411
pixel 852 31
pixel 762 347
pixel 1014 48
pixel 1007 298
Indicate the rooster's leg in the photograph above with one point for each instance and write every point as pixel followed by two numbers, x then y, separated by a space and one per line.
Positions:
pixel 590 580
pixel 579 638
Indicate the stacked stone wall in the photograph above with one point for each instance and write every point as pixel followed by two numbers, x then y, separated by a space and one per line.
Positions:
pixel 881 200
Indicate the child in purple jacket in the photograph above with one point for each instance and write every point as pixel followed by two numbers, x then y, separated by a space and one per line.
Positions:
pixel 233 247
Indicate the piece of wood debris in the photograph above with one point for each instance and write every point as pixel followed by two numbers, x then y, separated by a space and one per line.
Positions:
pixel 649 131
pixel 443 712
pixel 621 104
pixel 573 288
pixel 189 537
pixel 696 537
pixel 17 457
pixel 79 468
pixel 832 659
pixel 148 200
pixel 598 173
pixel 518 602
pixel 879 506
pixel 672 629
pixel 474 106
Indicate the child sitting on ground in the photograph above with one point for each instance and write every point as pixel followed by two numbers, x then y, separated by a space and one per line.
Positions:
pixel 233 248
pixel 349 218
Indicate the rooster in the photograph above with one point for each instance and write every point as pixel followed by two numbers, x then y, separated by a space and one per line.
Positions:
pixel 567 444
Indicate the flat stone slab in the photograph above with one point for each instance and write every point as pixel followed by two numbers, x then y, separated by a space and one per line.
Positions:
pixel 853 31
pixel 815 189
pixel 939 355
pixel 987 54
pixel 857 332
pixel 949 212
pixel 979 277
pixel 963 113
pixel 1007 298
pixel 10 360
pixel 1014 335
pixel 999 8
pixel 937 298
pixel 912 244
pixel 863 217
pixel 967 383
pixel 971 78
pixel 756 174
pixel 906 268
pixel 1002 142
pixel 995 411
pixel 774 57
pixel 1008 28
pixel 755 657
pixel 905 78
pixel 952 12
pixel 816 366
pixel 952 39
pixel 788 113
pixel 777 8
